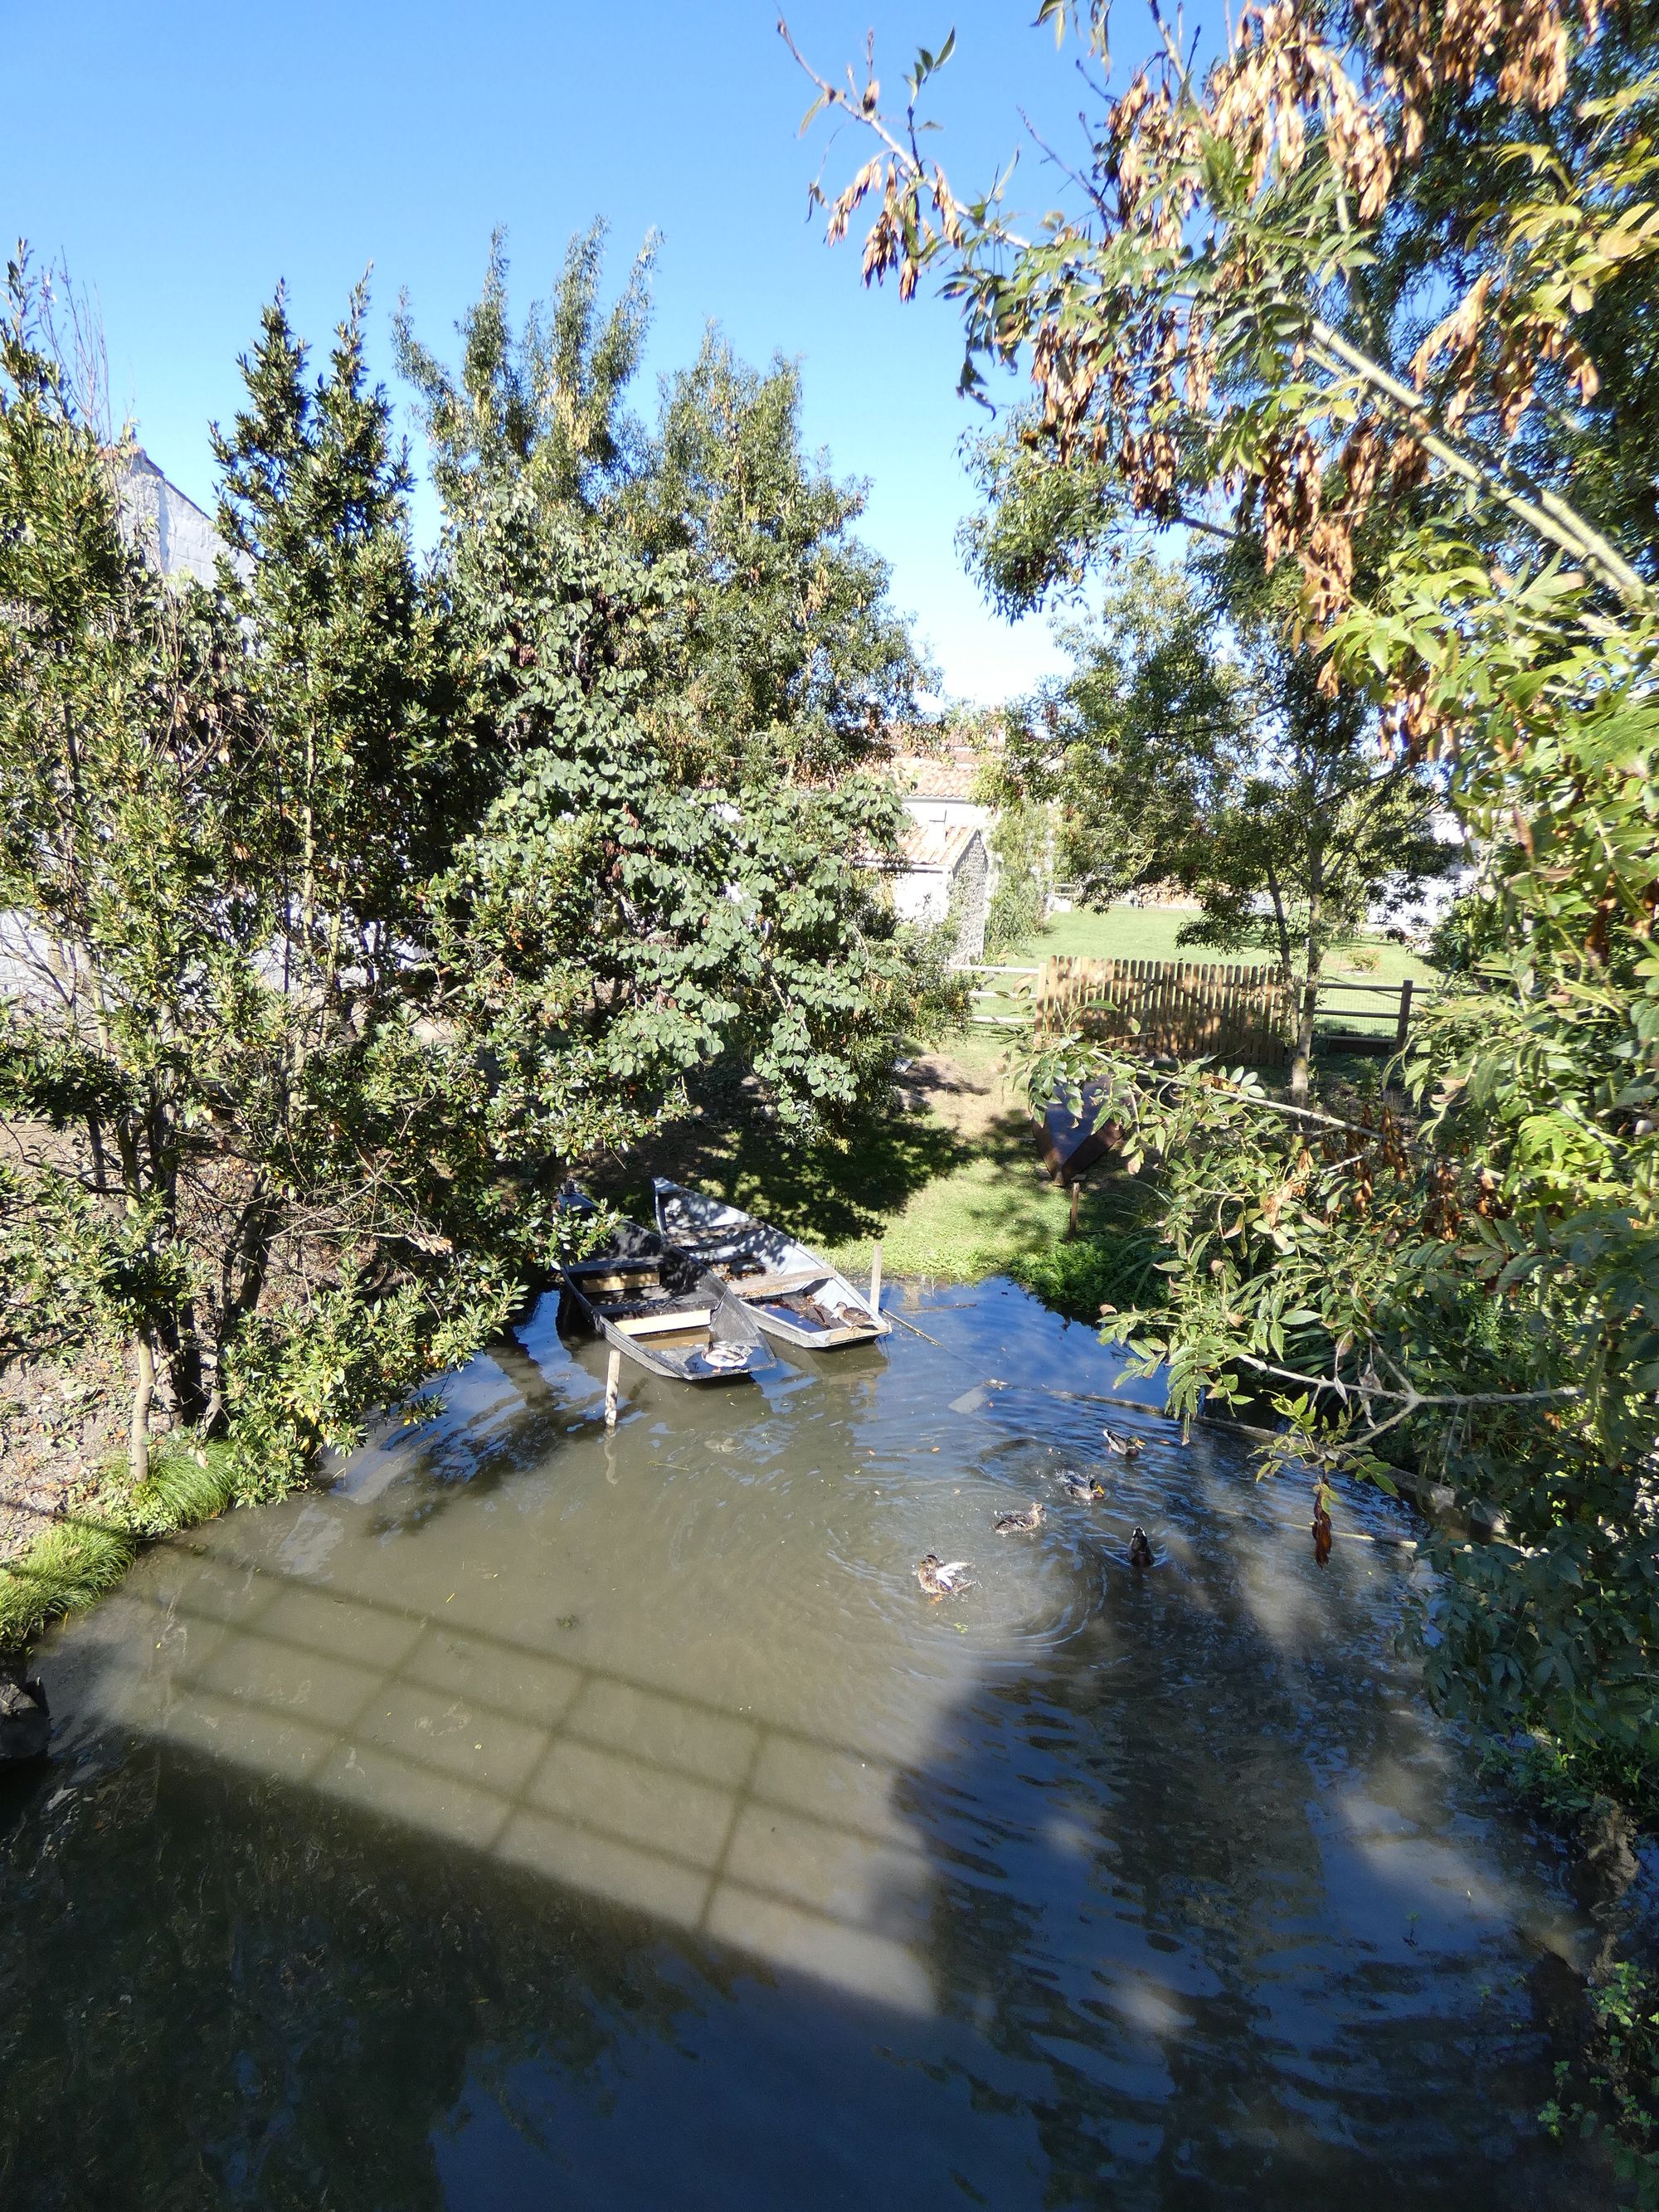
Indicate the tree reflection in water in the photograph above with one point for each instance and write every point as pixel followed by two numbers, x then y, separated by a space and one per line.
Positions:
pixel 538 1821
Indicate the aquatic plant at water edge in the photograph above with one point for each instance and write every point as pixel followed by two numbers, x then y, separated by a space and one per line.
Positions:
pixel 1621 2103
pixel 76 1562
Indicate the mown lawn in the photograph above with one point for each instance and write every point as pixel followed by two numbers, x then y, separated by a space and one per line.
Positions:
pixel 950 1186
pixel 1124 932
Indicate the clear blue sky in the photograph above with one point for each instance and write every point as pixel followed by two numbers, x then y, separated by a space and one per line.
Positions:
pixel 183 157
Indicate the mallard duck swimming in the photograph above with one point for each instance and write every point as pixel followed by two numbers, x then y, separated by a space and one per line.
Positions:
pixel 1140 1549
pixel 943 1577
pixel 1013 1524
pixel 1124 1447
pixel 1082 1488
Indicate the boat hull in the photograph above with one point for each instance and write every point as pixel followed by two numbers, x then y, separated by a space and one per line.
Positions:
pixel 662 1310
pixel 795 1296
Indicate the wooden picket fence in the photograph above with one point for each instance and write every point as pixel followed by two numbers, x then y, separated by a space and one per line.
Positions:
pixel 1178 1008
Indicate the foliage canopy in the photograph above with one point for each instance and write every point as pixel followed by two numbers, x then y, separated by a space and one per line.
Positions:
pixel 1273 312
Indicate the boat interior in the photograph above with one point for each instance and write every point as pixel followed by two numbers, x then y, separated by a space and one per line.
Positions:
pixel 646 1289
pixel 773 1275
pixel 655 1295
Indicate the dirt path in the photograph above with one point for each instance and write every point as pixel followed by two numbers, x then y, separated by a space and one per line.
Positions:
pixel 968 1102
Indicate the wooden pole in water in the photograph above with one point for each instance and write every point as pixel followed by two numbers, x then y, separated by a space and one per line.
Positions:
pixel 612 1377
pixel 875 1280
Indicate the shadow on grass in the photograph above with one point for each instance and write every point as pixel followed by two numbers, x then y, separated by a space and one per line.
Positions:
pixel 958 1203
pixel 832 1192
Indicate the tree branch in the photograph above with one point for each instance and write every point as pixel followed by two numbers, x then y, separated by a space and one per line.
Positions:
pixel 1410 1398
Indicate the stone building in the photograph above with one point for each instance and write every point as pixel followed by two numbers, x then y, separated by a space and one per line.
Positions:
pixel 171 528
pixel 945 874
pixel 949 865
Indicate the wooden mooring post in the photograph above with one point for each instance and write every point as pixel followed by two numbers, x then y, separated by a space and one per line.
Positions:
pixel 875 1280
pixel 612 1379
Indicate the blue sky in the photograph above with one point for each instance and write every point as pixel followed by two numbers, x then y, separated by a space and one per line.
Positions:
pixel 183 157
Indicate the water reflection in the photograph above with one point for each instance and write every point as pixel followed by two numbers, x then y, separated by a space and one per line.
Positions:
pixel 544 1818
pixel 638 1792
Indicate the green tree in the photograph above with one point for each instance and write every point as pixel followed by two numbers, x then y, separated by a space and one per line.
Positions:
pixel 238 1145
pixel 678 667
pixel 543 405
pixel 787 652
pixel 1202 329
pixel 792 651
pixel 1194 743
pixel 123 757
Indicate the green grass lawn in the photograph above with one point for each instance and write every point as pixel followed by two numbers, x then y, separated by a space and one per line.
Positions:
pixel 1149 933
pixel 1124 932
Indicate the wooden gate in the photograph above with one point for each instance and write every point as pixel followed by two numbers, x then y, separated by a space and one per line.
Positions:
pixel 1180 1009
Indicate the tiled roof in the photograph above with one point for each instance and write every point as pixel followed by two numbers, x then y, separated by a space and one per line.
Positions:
pixel 931 845
pixel 928 776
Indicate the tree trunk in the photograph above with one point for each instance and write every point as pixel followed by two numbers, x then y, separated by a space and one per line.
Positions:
pixel 1313 957
pixel 143 1391
pixel 1301 1058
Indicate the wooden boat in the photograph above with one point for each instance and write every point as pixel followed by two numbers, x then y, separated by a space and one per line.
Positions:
pixel 663 1309
pixel 794 1295
pixel 1071 1144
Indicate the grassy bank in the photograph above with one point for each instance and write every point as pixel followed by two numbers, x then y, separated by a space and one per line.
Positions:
pixel 950 1187
pixel 79 1558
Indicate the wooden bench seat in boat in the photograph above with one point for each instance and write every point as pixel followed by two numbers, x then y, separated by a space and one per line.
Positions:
pixel 614 1274
pixel 692 1319
pixel 751 1287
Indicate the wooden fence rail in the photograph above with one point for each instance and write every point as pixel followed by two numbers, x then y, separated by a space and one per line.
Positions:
pixel 1175 1008
pixel 1181 1009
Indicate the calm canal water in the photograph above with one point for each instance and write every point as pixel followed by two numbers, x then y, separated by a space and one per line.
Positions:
pixel 543 1819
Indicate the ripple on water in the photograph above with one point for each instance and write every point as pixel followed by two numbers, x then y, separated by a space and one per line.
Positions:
pixel 554 1731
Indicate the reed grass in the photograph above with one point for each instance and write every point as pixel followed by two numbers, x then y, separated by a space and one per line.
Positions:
pixel 77 1560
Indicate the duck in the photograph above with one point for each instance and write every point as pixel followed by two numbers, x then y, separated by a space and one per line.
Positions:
pixel 943 1577
pixel 1140 1549
pixel 1124 1447
pixel 1082 1488
pixel 1013 1524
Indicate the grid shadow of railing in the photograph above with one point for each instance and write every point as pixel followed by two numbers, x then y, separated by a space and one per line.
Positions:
pixel 783 1844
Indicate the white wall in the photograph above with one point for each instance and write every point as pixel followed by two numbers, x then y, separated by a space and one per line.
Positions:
pixel 921 895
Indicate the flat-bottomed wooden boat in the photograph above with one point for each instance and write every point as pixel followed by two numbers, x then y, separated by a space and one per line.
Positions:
pixel 663 1309
pixel 795 1295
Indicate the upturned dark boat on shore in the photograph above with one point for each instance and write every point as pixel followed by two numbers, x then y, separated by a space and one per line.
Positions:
pixel 795 1295
pixel 662 1308
pixel 1071 1143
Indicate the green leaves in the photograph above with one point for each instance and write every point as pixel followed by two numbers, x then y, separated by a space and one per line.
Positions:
pixel 926 64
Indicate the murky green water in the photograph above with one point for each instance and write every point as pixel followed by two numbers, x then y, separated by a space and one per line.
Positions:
pixel 545 1820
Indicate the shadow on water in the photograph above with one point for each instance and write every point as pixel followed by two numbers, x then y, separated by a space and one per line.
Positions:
pixel 637 1836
